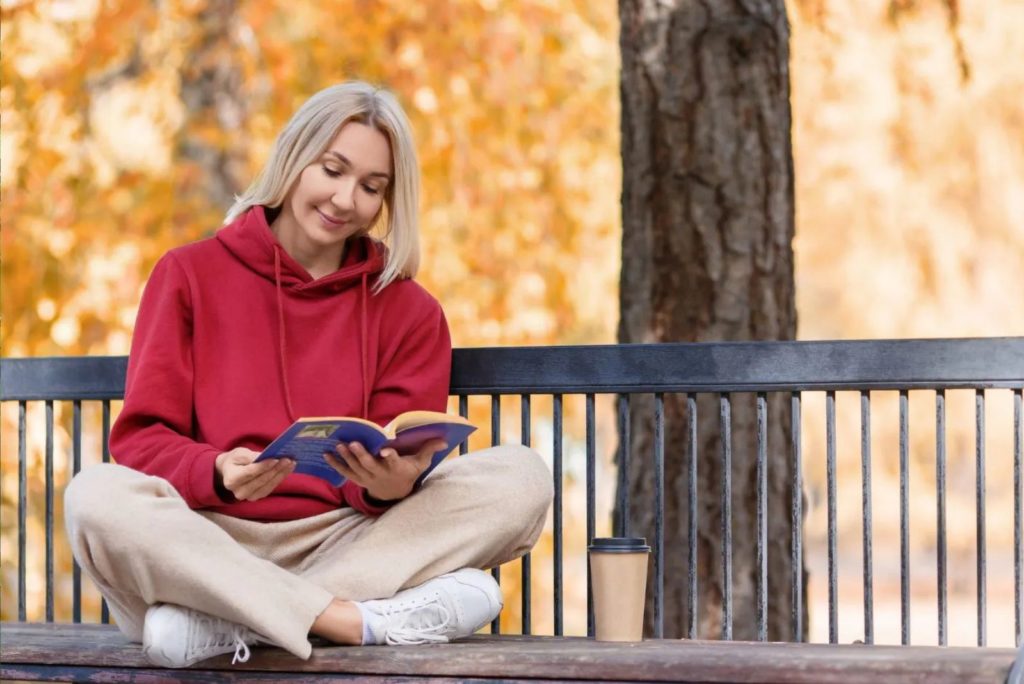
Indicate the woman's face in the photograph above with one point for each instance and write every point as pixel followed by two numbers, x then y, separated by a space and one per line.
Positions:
pixel 339 194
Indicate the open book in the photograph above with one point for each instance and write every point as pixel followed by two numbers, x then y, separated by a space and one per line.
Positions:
pixel 308 438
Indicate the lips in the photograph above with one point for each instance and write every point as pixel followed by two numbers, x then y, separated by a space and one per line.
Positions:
pixel 330 220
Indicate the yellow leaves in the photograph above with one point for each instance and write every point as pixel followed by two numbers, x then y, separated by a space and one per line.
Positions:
pixel 67 11
pixel 498 98
pixel 921 168
pixel 410 55
pixel 60 127
pixel 43 46
pixel 458 86
pixel 132 125
pixel 425 100
pixel 12 133
pixel 59 241
pixel 46 309
pixel 64 332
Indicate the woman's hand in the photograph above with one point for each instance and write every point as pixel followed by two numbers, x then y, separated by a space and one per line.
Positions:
pixel 250 481
pixel 387 477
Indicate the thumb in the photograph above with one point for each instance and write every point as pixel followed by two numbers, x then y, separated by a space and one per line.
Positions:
pixel 243 456
pixel 428 450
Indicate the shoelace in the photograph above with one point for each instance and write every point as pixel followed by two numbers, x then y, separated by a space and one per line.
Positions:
pixel 399 631
pixel 220 633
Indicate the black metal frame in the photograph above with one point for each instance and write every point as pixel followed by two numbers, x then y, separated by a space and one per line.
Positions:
pixel 718 369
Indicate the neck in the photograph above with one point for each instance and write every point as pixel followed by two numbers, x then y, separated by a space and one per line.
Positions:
pixel 318 261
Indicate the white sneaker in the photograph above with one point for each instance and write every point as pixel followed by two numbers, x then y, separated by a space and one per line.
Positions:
pixel 448 607
pixel 175 636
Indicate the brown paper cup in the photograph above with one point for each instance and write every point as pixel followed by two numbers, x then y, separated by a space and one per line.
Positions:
pixel 618 570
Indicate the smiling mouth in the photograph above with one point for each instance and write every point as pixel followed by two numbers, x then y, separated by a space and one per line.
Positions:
pixel 332 221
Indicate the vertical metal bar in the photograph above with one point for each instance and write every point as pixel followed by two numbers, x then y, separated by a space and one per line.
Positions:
pixel 49 511
pixel 762 517
pixel 940 513
pixel 691 431
pixel 865 495
pixel 106 431
pixel 524 413
pixel 797 523
pixel 495 420
pixel 76 466
pixel 495 441
pixel 22 508
pixel 104 609
pixel 464 412
pixel 659 519
pixel 830 475
pixel 622 519
pixel 1018 556
pixel 725 413
pixel 557 467
pixel 904 518
pixel 76 437
pixel 979 404
pixel 591 505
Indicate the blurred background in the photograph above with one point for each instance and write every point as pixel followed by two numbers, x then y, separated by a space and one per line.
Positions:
pixel 127 125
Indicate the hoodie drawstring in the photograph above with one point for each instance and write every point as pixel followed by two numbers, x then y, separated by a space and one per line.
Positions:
pixel 364 364
pixel 363 343
pixel 281 335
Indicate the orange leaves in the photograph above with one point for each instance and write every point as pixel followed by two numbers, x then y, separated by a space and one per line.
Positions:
pixel 512 107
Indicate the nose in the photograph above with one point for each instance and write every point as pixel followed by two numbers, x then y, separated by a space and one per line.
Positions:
pixel 344 193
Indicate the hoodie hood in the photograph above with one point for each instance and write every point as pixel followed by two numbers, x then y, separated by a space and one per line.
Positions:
pixel 251 241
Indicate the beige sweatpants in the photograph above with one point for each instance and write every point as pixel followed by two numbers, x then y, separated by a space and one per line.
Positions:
pixel 141 544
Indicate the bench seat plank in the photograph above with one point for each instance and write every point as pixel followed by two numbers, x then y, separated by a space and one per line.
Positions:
pixel 30 649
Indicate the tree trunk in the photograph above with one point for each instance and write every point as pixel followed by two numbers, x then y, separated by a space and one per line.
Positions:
pixel 212 146
pixel 707 213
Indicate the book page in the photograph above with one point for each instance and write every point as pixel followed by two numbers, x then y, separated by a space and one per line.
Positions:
pixel 411 419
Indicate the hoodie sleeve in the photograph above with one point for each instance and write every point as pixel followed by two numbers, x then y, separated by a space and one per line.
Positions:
pixel 415 376
pixel 153 432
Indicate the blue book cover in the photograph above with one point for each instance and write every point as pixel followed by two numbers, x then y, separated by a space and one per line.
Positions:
pixel 308 439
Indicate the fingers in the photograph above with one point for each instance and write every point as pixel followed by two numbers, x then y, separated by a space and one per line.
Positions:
pixel 421 458
pixel 364 464
pixel 262 483
pixel 388 475
pixel 270 485
pixel 255 481
pixel 341 465
pixel 240 470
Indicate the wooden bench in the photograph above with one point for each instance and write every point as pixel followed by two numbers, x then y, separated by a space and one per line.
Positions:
pixel 99 653
pixel 87 652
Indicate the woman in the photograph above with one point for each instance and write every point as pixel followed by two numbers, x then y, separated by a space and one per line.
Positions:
pixel 293 310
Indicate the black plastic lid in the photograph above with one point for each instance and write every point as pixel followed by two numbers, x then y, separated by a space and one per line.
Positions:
pixel 620 545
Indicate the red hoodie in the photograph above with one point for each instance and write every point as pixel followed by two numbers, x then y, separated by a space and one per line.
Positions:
pixel 234 340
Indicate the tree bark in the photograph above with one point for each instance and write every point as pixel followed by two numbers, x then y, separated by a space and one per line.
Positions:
pixel 212 142
pixel 708 225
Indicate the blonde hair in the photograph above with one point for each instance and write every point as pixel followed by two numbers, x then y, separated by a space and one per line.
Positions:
pixel 305 138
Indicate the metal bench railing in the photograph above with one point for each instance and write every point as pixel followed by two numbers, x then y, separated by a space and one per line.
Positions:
pixel 626 372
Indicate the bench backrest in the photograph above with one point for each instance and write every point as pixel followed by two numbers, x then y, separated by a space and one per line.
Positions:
pixel 626 373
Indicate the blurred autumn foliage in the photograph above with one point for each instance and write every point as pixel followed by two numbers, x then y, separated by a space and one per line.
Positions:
pixel 106 165
pixel 126 125
pixel 908 142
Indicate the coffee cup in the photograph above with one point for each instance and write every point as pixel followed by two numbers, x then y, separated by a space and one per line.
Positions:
pixel 618 571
